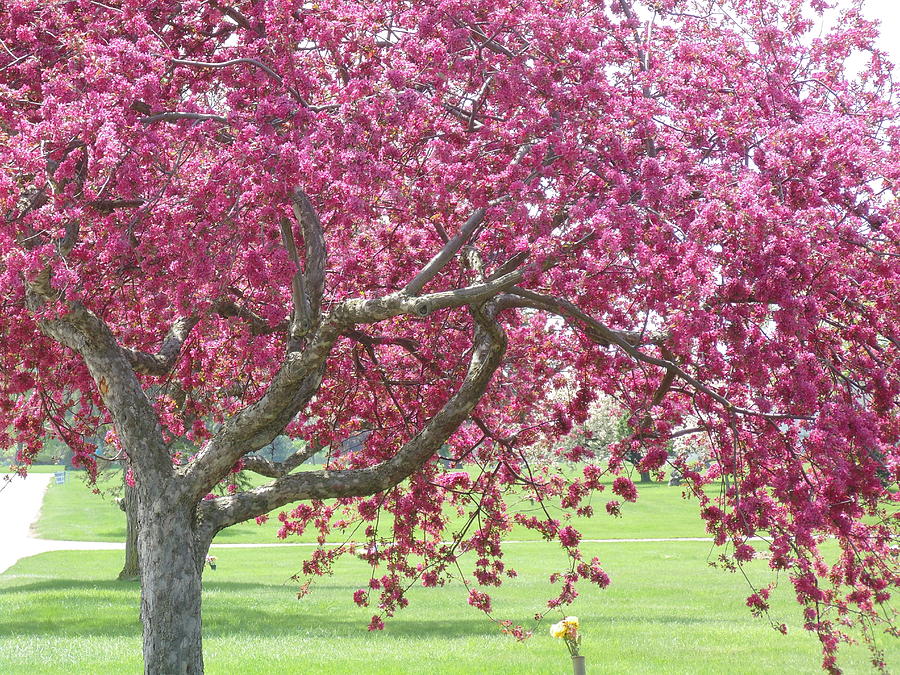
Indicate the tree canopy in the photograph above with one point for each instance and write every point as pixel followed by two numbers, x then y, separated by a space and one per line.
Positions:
pixel 396 229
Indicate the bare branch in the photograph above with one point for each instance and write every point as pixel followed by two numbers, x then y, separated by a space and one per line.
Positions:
pixel 437 263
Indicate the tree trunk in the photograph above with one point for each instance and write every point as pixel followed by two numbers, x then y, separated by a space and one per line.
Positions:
pixel 645 477
pixel 132 569
pixel 172 559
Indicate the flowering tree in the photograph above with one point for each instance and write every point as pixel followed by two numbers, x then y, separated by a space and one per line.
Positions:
pixel 408 223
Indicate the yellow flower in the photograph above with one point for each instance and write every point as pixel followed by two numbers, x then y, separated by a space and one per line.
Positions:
pixel 558 630
pixel 571 622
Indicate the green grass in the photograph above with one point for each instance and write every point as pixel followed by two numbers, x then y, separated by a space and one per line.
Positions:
pixel 42 468
pixel 666 612
pixel 72 512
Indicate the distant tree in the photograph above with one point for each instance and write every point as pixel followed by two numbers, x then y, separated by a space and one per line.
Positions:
pixel 226 222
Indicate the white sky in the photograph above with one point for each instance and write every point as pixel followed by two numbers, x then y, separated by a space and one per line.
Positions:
pixel 888 12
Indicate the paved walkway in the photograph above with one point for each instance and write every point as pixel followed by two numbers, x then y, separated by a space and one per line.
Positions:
pixel 20 506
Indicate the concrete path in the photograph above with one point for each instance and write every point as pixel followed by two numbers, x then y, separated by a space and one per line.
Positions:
pixel 20 506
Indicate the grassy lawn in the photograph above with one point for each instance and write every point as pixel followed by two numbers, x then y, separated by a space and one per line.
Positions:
pixel 72 512
pixel 38 468
pixel 666 612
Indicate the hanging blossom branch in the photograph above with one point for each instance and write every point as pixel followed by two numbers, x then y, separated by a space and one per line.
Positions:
pixel 627 341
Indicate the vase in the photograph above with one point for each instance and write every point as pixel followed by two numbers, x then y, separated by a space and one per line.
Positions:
pixel 577 665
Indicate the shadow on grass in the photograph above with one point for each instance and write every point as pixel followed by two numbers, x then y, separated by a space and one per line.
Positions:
pixel 56 608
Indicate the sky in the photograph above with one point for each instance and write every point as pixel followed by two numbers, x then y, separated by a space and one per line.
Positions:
pixel 888 12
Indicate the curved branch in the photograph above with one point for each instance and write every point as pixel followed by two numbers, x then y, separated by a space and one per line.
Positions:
pixel 525 299
pixel 257 425
pixel 378 309
pixel 84 332
pixel 316 253
pixel 628 341
pixel 301 373
pixel 253 62
pixel 266 467
pixel 164 360
pixel 490 346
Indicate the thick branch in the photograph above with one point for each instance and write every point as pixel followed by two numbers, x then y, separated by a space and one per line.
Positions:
pixel 164 360
pixel 490 346
pixel 379 309
pixel 316 254
pixel 266 467
pixel 299 377
pixel 301 319
pixel 257 425
pixel 87 334
pixel 437 263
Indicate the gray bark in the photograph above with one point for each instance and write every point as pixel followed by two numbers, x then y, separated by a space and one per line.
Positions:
pixel 131 570
pixel 172 558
